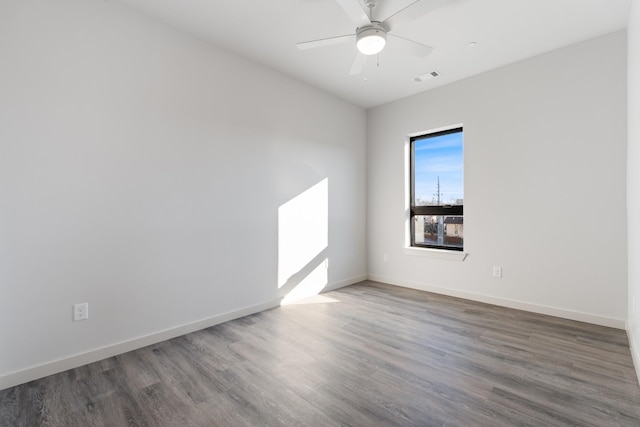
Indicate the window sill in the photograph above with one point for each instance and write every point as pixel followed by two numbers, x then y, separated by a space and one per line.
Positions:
pixel 436 253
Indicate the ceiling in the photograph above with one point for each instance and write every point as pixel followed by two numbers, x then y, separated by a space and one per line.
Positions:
pixel 505 31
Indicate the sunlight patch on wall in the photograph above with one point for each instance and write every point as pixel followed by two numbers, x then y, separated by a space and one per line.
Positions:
pixel 303 237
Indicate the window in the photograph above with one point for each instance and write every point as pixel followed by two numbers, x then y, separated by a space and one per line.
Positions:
pixel 437 192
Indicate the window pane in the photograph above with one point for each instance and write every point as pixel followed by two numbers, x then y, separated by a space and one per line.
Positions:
pixel 438 230
pixel 438 170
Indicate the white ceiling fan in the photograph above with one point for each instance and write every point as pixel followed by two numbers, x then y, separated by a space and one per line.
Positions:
pixel 371 35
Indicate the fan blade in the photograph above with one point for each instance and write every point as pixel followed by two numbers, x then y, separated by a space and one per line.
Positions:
pixel 411 12
pixel 355 11
pixel 324 42
pixel 411 47
pixel 358 64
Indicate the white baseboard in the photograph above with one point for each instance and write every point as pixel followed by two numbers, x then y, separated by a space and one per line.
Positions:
pixel 60 365
pixel 504 302
pixel 635 349
pixel 344 283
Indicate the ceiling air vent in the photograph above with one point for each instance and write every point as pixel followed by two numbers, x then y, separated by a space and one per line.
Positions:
pixel 427 76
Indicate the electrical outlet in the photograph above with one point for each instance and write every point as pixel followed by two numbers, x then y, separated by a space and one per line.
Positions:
pixel 385 258
pixel 80 311
pixel 497 271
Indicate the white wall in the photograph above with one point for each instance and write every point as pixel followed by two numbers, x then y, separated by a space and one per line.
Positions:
pixel 142 171
pixel 545 160
pixel 633 183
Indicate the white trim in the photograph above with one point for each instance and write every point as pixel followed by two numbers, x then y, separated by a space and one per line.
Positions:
pixel 440 129
pixel 436 253
pixel 60 365
pixel 504 302
pixel 343 283
pixel 408 249
pixel 635 349
pixel 66 363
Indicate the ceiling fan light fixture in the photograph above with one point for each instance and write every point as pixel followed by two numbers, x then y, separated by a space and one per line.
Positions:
pixel 371 40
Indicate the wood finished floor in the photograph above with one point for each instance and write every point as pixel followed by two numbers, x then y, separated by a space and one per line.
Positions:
pixel 366 355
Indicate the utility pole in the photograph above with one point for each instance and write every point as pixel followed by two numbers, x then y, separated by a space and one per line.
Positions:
pixel 440 219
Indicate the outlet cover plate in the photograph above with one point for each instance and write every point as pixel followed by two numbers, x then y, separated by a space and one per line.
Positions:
pixel 80 311
pixel 497 271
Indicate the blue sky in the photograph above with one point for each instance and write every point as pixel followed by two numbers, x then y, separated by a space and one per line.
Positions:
pixel 439 156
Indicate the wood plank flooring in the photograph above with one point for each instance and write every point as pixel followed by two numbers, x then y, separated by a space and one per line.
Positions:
pixel 366 355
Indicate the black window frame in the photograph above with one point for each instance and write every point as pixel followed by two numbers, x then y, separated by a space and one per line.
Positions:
pixel 433 210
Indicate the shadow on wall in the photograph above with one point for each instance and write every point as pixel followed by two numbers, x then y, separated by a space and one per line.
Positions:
pixel 303 241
